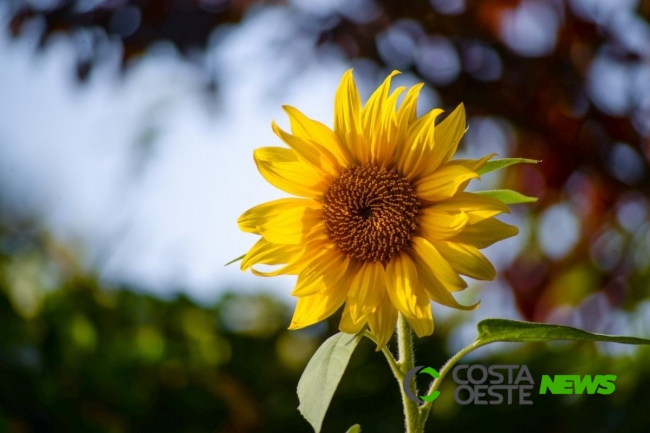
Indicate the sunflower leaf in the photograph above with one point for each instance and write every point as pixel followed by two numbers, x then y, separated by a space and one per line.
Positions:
pixel 507 196
pixel 322 375
pixel 496 330
pixel 354 429
pixel 235 260
pixel 497 164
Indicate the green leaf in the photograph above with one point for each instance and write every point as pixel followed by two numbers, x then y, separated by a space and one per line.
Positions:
pixel 235 260
pixel 495 330
pixel 354 429
pixel 497 164
pixel 507 196
pixel 322 375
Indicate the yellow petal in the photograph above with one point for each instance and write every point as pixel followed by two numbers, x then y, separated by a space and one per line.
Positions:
pixel 297 263
pixel 443 183
pixel 284 221
pixel 256 217
pixel 430 257
pixel 307 225
pixel 380 123
pixel 447 136
pixel 406 116
pixel 466 260
pixel 347 118
pixel 405 294
pixel 436 290
pixel 266 253
pixel 348 325
pixel 485 233
pixel 440 224
pixel 318 134
pixel 476 206
pixel 382 321
pixel 366 289
pixel 473 164
pixel 314 308
pixel 418 146
pixel 282 169
pixel 323 272
pixel 317 156
pixel 390 131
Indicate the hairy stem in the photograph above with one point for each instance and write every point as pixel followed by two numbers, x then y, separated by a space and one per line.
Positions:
pixel 407 362
pixel 426 407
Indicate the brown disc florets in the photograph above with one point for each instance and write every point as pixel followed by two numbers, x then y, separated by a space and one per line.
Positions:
pixel 370 212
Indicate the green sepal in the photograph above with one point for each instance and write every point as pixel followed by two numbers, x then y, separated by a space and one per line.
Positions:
pixel 497 164
pixel 235 260
pixel 507 196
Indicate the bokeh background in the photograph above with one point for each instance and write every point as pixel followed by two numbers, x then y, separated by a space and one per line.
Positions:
pixel 126 137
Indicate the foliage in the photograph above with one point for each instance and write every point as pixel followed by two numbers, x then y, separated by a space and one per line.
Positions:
pixel 323 374
pixel 105 359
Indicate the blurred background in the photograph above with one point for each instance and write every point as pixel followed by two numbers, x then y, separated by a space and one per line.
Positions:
pixel 126 136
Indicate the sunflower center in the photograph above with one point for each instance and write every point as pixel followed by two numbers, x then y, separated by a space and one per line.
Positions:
pixel 370 213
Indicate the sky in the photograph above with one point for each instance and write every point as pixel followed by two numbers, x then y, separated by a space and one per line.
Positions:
pixel 145 173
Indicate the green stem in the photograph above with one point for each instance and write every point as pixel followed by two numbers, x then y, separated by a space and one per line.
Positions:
pixel 426 407
pixel 415 417
pixel 407 362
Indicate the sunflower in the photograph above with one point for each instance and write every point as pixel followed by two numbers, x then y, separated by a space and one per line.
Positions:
pixel 381 221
